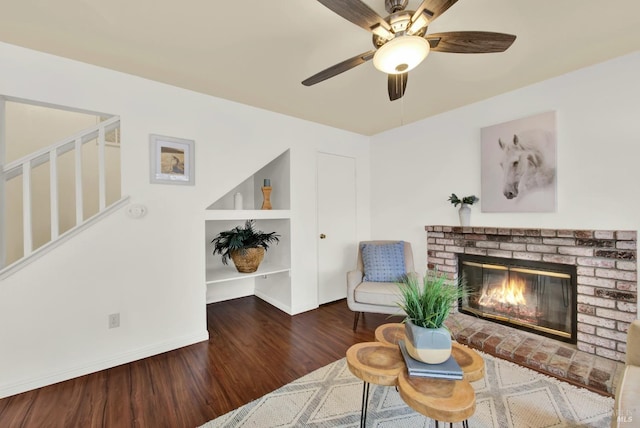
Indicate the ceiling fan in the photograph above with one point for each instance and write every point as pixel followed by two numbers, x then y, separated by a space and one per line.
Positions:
pixel 401 41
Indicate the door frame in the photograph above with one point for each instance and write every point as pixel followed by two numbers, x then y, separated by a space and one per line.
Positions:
pixel 355 206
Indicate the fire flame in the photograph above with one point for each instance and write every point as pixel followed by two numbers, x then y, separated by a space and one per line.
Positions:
pixel 510 292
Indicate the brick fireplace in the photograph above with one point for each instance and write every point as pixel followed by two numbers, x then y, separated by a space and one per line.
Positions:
pixel 605 262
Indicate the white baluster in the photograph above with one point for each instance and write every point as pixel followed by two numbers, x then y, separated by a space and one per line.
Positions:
pixel 3 201
pixel 79 199
pixel 102 184
pixel 26 208
pixel 53 188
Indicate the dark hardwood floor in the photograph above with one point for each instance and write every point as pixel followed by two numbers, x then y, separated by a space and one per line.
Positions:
pixel 253 349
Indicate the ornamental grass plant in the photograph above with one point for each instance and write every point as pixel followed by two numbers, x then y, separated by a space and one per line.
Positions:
pixel 428 303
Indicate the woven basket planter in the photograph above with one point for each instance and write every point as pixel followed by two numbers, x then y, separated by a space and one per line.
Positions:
pixel 249 261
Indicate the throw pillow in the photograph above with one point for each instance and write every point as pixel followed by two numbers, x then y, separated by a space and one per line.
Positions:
pixel 383 262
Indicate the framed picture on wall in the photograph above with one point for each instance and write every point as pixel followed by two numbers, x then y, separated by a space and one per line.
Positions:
pixel 172 160
pixel 518 170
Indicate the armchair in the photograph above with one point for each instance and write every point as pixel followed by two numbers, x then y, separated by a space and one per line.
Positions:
pixel 368 293
pixel 626 412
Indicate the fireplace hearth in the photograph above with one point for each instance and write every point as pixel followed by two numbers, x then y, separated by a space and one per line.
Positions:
pixel 605 263
pixel 538 297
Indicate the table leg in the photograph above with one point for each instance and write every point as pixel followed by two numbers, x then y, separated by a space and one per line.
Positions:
pixel 465 424
pixel 365 404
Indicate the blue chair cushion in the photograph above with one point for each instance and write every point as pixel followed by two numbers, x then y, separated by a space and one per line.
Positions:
pixel 383 262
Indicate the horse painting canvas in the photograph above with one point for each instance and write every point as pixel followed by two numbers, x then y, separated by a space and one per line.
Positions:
pixel 519 165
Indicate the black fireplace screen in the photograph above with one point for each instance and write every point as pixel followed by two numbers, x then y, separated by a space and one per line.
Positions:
pixel 533 296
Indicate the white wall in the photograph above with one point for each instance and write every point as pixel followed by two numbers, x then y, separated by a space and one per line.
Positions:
pixel 415 168
pixel 151 270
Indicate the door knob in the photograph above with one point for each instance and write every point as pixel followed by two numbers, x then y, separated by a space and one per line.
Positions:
pixel 322 236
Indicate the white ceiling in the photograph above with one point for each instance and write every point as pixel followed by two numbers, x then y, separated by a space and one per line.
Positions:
pixel 257 52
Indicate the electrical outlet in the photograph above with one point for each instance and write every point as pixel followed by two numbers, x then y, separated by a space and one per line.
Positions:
pixel 114 320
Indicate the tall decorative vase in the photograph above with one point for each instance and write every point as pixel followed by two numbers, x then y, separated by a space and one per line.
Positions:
pixel 465 215
pixel 266 195
pixel 237 201
pixel 429 345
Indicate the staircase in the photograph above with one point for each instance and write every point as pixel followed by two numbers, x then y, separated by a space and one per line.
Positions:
pixel 24 168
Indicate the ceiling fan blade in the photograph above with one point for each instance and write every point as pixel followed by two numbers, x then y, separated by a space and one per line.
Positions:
pixel 470 42
pixel 397 83
pixel 433 9
pixel 339 68
pixel 357 12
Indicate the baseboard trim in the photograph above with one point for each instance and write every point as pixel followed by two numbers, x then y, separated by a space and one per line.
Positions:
pixel 216 296
pixel 278 304
pixel 96 366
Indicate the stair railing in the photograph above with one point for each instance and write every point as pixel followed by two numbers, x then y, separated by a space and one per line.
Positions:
pixel 24 166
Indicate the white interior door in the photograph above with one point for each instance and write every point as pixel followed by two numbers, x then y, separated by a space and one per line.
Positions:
pixel 337 245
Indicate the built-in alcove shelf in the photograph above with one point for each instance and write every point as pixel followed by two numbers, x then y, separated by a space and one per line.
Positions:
pixel 229 273
pixel 246 214
pixel 277 172
pixel 276 259
pixel 272 280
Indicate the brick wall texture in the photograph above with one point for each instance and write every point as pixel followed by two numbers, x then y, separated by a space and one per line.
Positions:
pixel 606 271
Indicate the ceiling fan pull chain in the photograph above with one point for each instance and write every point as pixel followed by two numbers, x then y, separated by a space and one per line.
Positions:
pixel 402 111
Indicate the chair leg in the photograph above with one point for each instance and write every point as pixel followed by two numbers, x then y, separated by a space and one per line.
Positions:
pixel 355 320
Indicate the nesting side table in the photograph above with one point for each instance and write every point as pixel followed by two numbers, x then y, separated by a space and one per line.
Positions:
pixel 381 363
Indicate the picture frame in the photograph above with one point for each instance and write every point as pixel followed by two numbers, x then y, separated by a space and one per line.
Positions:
pixel 172 160
pixel 519 165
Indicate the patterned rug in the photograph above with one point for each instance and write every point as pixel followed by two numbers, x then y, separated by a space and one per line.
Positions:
pixel 508 396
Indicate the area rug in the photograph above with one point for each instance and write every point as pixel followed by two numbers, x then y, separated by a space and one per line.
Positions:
pixel 508 396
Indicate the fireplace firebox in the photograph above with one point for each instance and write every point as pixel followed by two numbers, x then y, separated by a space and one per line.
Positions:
pixel 533 296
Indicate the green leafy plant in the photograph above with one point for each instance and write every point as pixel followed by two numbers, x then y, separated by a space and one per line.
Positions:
pixel 240 239
pixel 468 200
pixel 429 303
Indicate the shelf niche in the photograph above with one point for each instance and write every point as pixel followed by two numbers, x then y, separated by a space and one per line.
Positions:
pixel 278 171
pixel 276 259
pixel 272 281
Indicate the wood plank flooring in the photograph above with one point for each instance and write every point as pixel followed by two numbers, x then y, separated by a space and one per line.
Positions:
pixel 253 349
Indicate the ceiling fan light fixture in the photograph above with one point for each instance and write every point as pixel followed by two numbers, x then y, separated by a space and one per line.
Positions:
pixel 401 54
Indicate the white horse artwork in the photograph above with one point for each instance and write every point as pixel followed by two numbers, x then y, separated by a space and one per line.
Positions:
pixel 519 165
pixel 526 164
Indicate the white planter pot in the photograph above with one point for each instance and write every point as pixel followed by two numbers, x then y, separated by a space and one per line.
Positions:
pixel 465 215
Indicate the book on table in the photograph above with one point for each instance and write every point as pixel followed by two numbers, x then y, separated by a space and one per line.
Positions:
pixel 450 369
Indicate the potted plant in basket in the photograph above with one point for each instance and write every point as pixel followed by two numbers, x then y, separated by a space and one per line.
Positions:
pixel 427 305
pixel 244 245
pixel 464 212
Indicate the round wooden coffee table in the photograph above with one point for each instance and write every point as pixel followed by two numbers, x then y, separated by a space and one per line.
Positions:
pixel 439 399
pixel 382 363
pixel 390 333
pixel 470 361
pixel 377 363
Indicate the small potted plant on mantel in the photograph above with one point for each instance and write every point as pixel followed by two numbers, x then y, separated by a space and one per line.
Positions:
pixel 244 245
pixel 464 212
pixel 427 305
